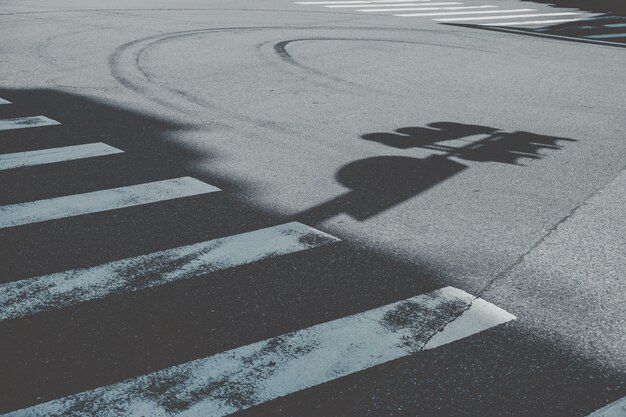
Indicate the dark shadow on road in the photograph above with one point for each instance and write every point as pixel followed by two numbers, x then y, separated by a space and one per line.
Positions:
pixel 497 146
pixel 61 352
pixel 607 27
pixel 594 6
pixel 380 183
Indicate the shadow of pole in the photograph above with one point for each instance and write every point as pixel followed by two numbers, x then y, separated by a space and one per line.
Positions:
pixel 380 183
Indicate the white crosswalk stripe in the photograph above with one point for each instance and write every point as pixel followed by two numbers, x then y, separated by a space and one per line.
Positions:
pixel 382 7
pixel 615 409
pixel 462 13
pixel 245 376
pixel 529 22
pixel 33 295
pixel 26 122
pixel 98 201
pixel 479 15
pixel 593 29
pixel 351 2
pixel 464 19
pixel 52 155
pixel 430 8
pixel 607 36
pixel 250 375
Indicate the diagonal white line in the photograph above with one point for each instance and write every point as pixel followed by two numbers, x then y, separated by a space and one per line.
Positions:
pixel 26 122
pixel 352 2
pixel 3 101
pixel 98 201
pixel 459 19
pixel 607 36
pixel 52 155
pixel 531 22
pixel 460 13
pixel 429 8
pixel 378 6
pixel 382 6
pixel 30 296
pixel 241 378
pixel 615 409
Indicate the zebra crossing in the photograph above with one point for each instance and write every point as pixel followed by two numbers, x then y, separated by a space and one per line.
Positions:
pixel 240 378
pixel 536 19
pixel 52 155
pixel 610 30
pixel 26 122
pixel 279 366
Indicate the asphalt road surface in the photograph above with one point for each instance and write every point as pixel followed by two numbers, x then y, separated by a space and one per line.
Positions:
pixel 279 208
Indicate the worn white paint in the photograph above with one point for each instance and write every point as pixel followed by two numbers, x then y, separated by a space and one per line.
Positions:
pixel 429 8
pixel 532 22
pixel 352 2
pixel 607 36
pixel 98 201
pixel 524 16
pixel 52 155
pixel 615 409
pixel 241 378
pixel 29 296
pixel 461 13
pixel 26 122
pixel 381 7
pixel 3 101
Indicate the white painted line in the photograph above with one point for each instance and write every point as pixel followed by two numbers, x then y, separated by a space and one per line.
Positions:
pixel 607 36
pixel 337 6
pixel 52 155
pixel 429 8
pixel 383 5
pixel 615 409
pixel 352 2
pixel 459 19
pixel 98 201
pixel 3 101
pixel 532 22
pixel 30 296
pixel 26 122
pixel 250 375
pixel 616 25
pixel 455 13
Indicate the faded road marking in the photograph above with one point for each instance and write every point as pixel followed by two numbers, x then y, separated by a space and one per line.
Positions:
pixel 531 22
pixel 607 36
pixel 427 8
pixel 381 7
pixel 353 2
pixel 3 101
pixel 461 13
pixel 241 378
pixel 26 122
pixel 29 296
pixel 52 155
pixel 98 201
pixel 616 409
pixel 520 16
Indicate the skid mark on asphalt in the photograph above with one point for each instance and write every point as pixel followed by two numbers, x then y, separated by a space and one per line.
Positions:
pixel 243 377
